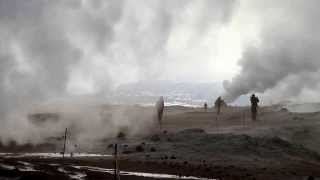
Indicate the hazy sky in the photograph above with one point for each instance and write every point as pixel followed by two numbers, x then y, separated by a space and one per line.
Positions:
pixel 85 46
pixel 71 47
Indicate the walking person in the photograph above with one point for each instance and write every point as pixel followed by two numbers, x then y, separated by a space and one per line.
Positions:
pixel 160 109
pixel 218 103
pixel 254 106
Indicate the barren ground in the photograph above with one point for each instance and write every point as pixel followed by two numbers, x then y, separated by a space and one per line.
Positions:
pixel 192 142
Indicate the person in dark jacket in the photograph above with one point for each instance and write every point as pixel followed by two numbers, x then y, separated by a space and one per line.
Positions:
pixel 205 106
pixel 160 109
pixel 218 103
pixel 254 106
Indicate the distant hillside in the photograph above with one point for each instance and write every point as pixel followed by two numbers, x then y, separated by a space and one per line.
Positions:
pixel 174 93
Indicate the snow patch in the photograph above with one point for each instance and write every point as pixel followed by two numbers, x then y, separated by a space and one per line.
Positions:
pixel 7 167
pixel 303 108
pixel 27 169
pixel 141 174
pixel 51 155
pixel 77 175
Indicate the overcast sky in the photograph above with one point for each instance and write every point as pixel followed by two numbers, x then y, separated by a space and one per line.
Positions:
pixel 71 47
pixel 88 45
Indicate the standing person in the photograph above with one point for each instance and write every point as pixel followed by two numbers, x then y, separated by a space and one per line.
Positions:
pixel 218 104
pixel 205 106
pixel 160 109
pixel 254 106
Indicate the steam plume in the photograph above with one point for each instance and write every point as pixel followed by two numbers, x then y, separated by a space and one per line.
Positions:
pixel 285 63
pixel 53 50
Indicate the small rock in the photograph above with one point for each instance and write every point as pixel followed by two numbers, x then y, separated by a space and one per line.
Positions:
pixel 139 148
pixel 173 157
pixel 121 135
pixel 152 149
pixel 310 178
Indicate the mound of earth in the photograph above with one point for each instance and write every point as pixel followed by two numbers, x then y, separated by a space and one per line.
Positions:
pixel 196 145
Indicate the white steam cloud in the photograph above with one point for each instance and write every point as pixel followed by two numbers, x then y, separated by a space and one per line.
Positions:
pixel 56 49
pixel 285 64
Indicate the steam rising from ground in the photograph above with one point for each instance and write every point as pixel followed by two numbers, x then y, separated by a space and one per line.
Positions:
pixel 86 123
pixel 52 50
pixel 285 64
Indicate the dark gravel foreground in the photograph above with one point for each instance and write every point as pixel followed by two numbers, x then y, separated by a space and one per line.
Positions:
pixel 190 152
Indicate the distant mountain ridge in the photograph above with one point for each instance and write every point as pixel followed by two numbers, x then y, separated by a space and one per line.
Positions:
pixel 175 93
